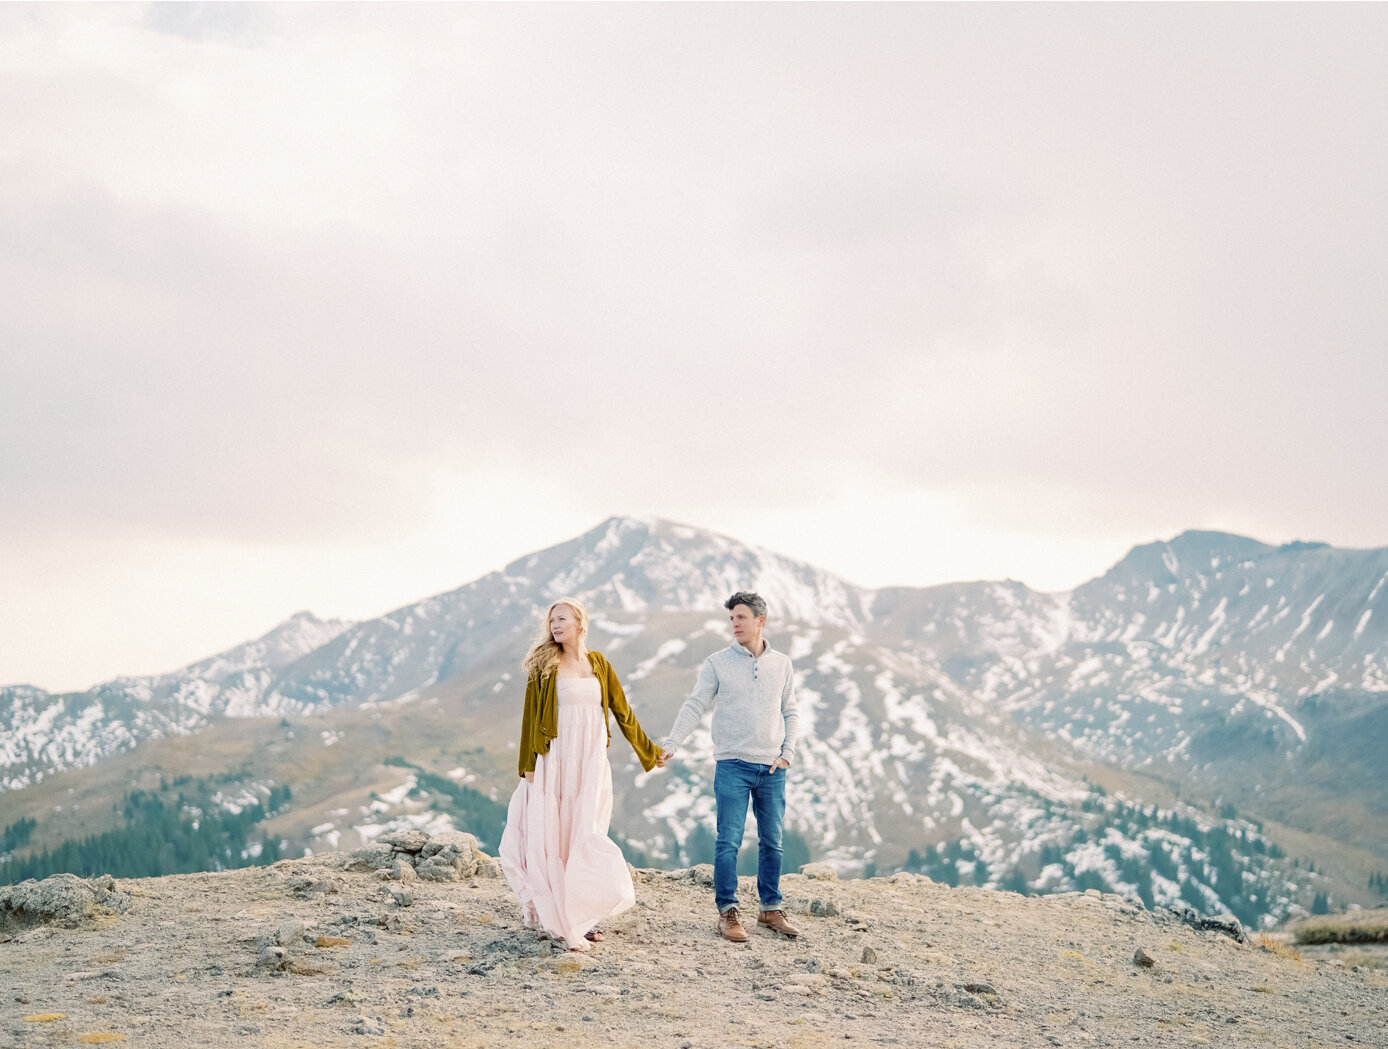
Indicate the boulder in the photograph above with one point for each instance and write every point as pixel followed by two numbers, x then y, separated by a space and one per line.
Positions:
pixel 457 839
pixel 64 900
pixel 1230 926
pixel 408 840
pixel 373 857
pixel 819 872
pixel 488 867
pixel 450 856
pixel 439 868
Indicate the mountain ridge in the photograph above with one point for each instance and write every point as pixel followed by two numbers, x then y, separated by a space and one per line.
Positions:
pixel 965 713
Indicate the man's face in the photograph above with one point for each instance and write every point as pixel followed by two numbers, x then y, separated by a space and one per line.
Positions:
pixel 746 627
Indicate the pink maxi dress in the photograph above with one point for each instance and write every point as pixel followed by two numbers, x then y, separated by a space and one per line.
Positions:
pixel 566 872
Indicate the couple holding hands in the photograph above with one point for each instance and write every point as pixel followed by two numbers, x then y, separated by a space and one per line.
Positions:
pixel 555 852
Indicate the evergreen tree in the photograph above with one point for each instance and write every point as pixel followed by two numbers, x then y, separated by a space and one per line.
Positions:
pixel 17 834
pixel 698 846
pixel 795 852
pixel 157 837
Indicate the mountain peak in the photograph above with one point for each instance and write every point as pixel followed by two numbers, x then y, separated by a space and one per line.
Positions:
pixel 635 564
pixel 1297 546
pixel 1194 552
pixel 279 646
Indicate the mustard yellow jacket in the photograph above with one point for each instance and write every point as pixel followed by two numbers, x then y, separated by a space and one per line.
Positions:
pixel 540 718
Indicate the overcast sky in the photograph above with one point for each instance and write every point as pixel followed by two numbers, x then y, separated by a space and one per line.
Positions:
pixel 337 307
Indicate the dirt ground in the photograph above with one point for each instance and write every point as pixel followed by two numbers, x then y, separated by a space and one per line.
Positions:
pixel 302 954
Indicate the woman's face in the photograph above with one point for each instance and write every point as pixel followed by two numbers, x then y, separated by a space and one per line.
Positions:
pixel 563 625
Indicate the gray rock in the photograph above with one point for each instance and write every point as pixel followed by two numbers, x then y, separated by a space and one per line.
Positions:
pixel 403 872
pixel 1230 927
pixel 408 840
pixel 975 996
pixel 271 957
pixel 488 867
pixel 401 898
pixel 64 900
pixel 303 887
pixel 869 956
pixel 451 856
pixel 819 872
pixel 437 868
pixel 1143 959
pixel 290 934
pixel 374 857
pixel 457 839
pixel 824 908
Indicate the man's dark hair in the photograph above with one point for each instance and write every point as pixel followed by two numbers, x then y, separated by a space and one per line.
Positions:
pixel 745 597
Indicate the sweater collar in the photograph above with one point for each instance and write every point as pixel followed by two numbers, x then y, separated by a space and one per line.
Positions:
pixel 741 650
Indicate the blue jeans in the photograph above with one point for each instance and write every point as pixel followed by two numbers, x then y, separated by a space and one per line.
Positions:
pixel 734 783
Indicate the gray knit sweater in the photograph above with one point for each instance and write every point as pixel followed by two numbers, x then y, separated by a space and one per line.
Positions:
pixel 753 701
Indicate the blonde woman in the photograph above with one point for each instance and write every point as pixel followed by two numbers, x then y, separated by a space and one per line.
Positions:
pixel 566 872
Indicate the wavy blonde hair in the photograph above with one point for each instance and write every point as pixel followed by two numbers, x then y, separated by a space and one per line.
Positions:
pixel 544 653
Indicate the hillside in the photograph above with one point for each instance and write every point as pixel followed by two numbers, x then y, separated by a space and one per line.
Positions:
pixel 1216 687
pixel 305 953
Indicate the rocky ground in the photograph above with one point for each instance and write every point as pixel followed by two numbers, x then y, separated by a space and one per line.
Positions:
pixel 386 948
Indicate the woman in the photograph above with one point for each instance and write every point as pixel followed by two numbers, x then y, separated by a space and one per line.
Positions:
pixel 555 852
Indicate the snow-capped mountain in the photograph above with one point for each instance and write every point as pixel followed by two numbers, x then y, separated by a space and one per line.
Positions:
pixel 952 726
pixel 41 732
pixel 1183 646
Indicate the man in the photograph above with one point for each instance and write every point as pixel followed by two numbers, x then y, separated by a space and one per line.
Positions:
pixel 754 728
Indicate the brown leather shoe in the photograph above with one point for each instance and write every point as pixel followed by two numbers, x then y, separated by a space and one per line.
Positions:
pixel 776 920
pixel 730 925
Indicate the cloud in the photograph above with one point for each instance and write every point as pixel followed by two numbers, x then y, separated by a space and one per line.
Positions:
pixel 239 23
pixel 274 270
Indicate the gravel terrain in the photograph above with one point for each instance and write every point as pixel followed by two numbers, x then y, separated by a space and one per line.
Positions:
pixel 312 953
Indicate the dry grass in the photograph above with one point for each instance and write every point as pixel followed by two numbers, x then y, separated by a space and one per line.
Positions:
pixel 1350 927
pixel 1275 946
